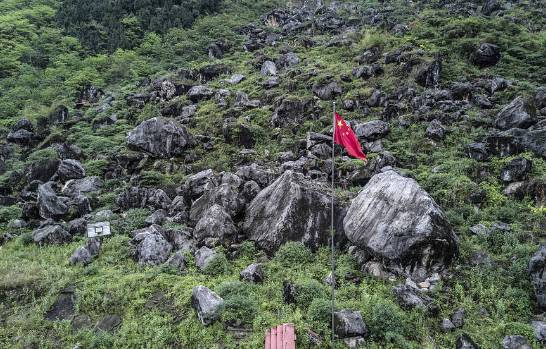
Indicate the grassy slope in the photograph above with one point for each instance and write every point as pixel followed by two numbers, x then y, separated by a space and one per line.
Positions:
pixel 115 284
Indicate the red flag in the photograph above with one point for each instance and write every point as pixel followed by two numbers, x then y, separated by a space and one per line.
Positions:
pixel 344 136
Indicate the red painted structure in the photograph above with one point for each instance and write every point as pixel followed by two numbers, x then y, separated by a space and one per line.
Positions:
pixel 281 337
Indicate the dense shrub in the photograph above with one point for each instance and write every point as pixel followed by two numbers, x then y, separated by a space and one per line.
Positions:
pixel 219 265
pixel 240 304
pixel 309 290
pixel 293 253
pixel 8 213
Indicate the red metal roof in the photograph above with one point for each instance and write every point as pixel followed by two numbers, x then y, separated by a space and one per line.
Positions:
pixel 281 337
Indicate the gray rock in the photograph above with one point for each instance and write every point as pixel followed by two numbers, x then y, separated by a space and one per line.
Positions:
pixel 22 137
pixel 411 298
pixel 516 170
pixel 540 330
pixel 252 273
pixel 290 209
pixel 480 230
pixel 256 173
pixel 160 136
pixel 157 217
pixel 429 74
pixel 137 197
pixel 93 246
pixel 200 92
pixel 151 246
pixel 268 69
pixel 396 220
pixel 327 91
pixel 436 130
pixel 177 262
pixel 49 204
pixel 215 225
pixel 242 101
pixel 235 79
pixel 208 304
pixel 51 234
pixel 348 323
pixel 486 55
pixel 372 130
pixel 70 169
pixel 540 98
pixel 203 257
pixel 225 195
pixel 447 325
pixel 64 307
pixel 222 96
pixel 458 318
pixel 537 271
pixel 287 60
pixel 490 6
pixel 77 226
pixel 83 185
pixel 515 342
pixel 465 342
pixel 81 256
pixel 517 114
pixel 477 151
pixel 198 183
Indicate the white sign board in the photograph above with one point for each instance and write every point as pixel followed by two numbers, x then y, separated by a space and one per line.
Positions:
pixel 98 229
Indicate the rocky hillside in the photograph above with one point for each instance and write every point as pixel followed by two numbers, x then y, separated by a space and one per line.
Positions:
pixel 203 142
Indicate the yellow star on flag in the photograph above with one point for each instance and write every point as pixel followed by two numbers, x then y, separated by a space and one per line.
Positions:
pixel 340 123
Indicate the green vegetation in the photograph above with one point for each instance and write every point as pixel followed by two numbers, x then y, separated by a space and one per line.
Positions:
pixel 51 49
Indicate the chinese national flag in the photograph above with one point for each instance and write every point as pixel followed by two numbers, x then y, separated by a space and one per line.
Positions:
pixel 344 136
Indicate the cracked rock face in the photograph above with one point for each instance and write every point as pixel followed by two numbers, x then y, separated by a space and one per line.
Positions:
pixel 160 136
pixel 207 304
pixel 290 209
pixel 395 220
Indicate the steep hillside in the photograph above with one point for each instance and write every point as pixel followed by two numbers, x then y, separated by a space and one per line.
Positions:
pixel 201 131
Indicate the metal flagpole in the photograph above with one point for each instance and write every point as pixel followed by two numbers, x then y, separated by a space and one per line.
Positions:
pixel 333 278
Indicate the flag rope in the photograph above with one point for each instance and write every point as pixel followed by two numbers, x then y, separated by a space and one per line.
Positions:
pixel 333 277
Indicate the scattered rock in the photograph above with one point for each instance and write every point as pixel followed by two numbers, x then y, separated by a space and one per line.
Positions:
pixel 515 342
pixel 177 262
pixel 429 74
pixel 537 270
pixel 447 325
pixel 84 185
pixel 410 298
pixel 53 234
pixel 207 304
pixel 64 307
pixel 160 136
pixel 458 318
pixel 397 221
pixel 372 130
pixel 137 197
pixel 235 79
pixel 80 256
pixel 214 226
pixel 200 92
pixel 465 342
pixel 203 257
pixel 348 323
pixel 327 91
pixel 151 246
pixel 268 69
pixel 517 114
pixel 436 130
pixel 516 170
pixel 540 330
pixel 253 273
pixel 70 169
pixel 486 55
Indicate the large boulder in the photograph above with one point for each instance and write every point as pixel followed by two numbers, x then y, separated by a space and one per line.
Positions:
pixel 537 271
pixel 516 114
pixel 327 91
pixel 515 342
pixel 225 195
pixel 486 55
pixel 208 304
pixel 214 226
pixel 83 185
pixel 372 130
pixel 49 204
pixel 53 234
pixel 160 136
pixel 290 209
pixel 396 221
pixel 516 170
pixel 151 246
pixel 70 169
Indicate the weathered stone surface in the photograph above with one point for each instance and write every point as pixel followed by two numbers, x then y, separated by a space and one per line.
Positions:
pixel 409 298
pixel 537 271
pixel 70 169
pixel 516 170
pixel 208 304
pixel 268 69
pixel 348 323
pixel 515 342
pixel 486 55
pixel 64 307
pixel 225 195
pixel 160 136
pixel 203 257
pixel 252 273
pixel 83 185
pixel 429 74
pixel 290 209
pixel 327 91
pixel 215 225
pixel 137 197
pixel 81 256
pixel 465 342
pixel 177 262
pixel 198 93
pixel 151 246
pixel 517 114
pixel 109 323
pixel 372 130
pixel 436 130
pixel 398 222
pixel 51 234
pixel 49 204
pixel 540 330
